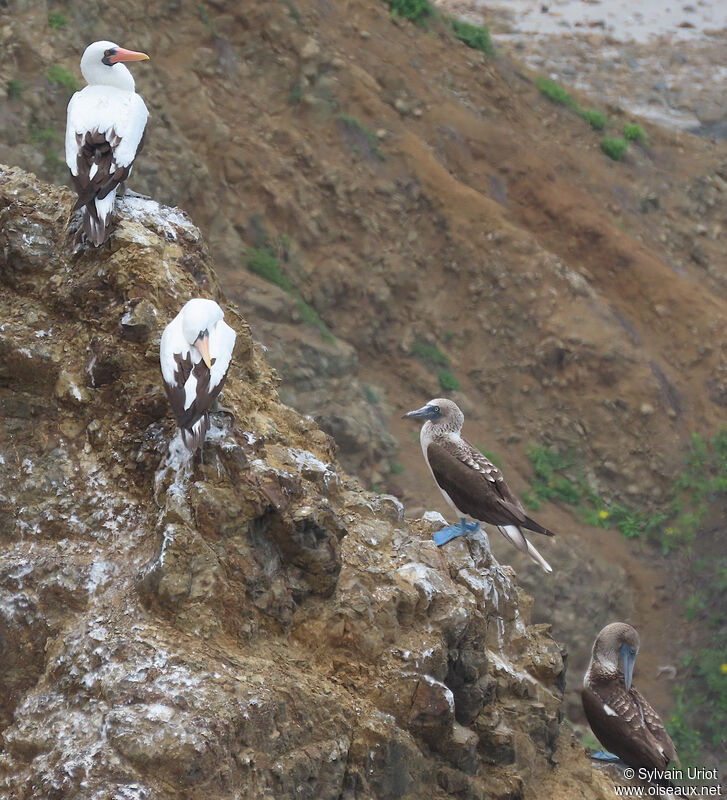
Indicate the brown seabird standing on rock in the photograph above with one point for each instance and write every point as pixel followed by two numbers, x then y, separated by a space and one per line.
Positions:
pixel 623 722
pixel 471 484
pixel 195 354
pixel 104 133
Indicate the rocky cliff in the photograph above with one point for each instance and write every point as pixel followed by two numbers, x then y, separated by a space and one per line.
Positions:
pixel 243 623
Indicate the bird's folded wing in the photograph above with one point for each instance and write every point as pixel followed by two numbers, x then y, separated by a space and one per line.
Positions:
pixel 616 719
pixel 222 343
pixel 656 727
pixel 474 484
pixel 118 115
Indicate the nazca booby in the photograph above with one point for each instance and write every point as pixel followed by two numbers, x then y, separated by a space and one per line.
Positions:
pixel 195 354
pixel 104 133
pixel 620 717
pixel 471 484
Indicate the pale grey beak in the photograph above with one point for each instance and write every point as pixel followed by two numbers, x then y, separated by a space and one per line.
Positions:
pixel 425 412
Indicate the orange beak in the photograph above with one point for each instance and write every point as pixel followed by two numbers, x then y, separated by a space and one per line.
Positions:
pixel 127 55
pixel 203 345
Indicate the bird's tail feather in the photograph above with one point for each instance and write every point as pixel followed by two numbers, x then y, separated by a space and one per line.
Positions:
pixel 517 538
pixel 97 216
pixel 194 437
pixel 536 527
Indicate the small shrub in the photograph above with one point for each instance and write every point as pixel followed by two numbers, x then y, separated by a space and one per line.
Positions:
pixel 14 89
pixel 554 92
pixel 62 77
pixel 57 21
pixel 596 119
pixel 45 135
pixel 371 395
pixel 474 36
pixel 413 10
pixel 296 94
pixel 396 468
pixel 295 15
pixel 430 354
pixel 447 381
pixel 635 133
pixel 263 262
pixel 206 20
pixel 360 137
pixel 614 147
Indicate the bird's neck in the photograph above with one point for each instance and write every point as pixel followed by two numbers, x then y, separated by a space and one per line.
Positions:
pixel 117 76
pixel 601 668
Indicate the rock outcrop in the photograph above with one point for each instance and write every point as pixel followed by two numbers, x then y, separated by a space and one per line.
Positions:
pixel 246 622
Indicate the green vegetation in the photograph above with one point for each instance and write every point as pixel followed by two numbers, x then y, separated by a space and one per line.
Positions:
pixel 396 468
pixel 62 77
pixel 555 92
pixel 429 354
pixel 295 15
pixel 474 36
pixel 48 137
pixel 264 261
pixel 596 119
pixel 700 486
pixel 360 136
pixel 14 89
pixel 561 479
pixel 447 381
pixel 371 395
pixel 296 94
pixel 413 10
pixel 705 683
pixel 635 133
pixel 614 147
pixel 437 361
pixel 57 21
pixel 206 19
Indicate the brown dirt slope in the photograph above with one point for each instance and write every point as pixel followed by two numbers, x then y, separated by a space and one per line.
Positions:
pixel 424 193
pixel 246 622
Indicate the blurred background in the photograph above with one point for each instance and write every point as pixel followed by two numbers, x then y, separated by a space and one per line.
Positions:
pixel 520 206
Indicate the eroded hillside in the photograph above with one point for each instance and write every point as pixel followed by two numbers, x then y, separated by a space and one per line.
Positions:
pixel 245 623
pixel 423 202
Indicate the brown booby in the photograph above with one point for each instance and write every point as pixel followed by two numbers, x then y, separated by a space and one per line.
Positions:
pixel 471 484
pixel 104 133
pixel 195 354
pixel 623 722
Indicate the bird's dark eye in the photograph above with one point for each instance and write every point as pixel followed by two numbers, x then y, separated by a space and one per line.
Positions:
pixel 633 651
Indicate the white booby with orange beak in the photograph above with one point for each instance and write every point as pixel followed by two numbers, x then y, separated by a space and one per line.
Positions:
pixel 195 354
pixel 104 132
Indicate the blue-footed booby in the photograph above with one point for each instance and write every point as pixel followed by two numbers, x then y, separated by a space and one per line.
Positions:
pixel 623 722
pixel 104 132
pixel 195 355
pixel 471 484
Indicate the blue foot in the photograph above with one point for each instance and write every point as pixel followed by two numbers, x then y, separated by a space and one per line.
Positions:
pixel 604 755
pixel 452 531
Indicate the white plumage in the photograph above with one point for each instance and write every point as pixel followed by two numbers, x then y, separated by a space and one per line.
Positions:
pixel 104 131
pixel 195 354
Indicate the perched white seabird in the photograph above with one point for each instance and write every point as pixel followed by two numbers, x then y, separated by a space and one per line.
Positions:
pixel 104 132
pixel 195 354
pixel 471 484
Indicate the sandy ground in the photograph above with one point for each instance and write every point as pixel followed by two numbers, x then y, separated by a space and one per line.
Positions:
pixel 664 61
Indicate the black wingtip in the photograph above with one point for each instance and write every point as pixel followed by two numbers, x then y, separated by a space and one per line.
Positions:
pixel 535 527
